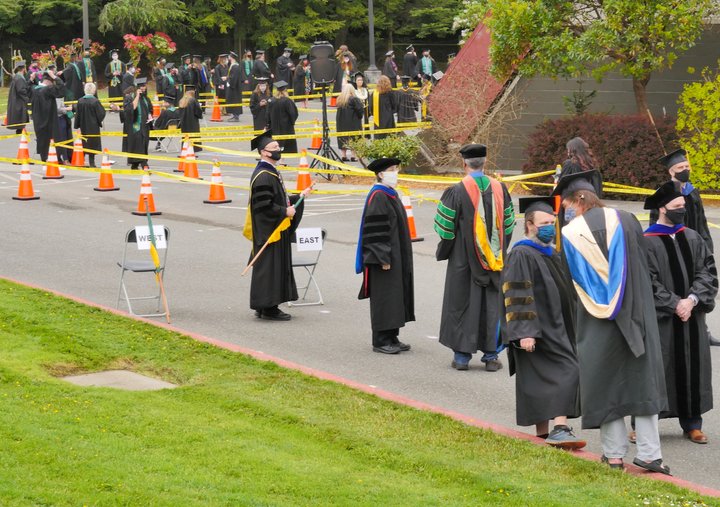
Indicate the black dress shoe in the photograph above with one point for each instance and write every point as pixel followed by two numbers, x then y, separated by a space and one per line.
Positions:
pixel 404 347
pixel 387 349
pixel 276 315
pixel 713 341
pixel 258 314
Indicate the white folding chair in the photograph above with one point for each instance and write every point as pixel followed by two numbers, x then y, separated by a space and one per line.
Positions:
pixel 307 261
pixel 139 261
pixel 172 142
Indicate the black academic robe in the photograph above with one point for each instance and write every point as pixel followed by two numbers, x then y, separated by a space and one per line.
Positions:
pixel 220 84
pixel 283 72
pixel 89 117
pixel 621 368
pixel 246 75
pixel 299 81
pixel 190 117
pixel 127 81
pixel 390 70
pixel 408 105
pixel 273 281
pixel 694 217
pixel 18 100
pixel 388 106
pixel 678 267
pixel 409 63
pixel 88 71
pixel 166 116
pixel 261 69
pixel 539 302
pixel 365 96
pixel 419 68
pixel 44 117
pixel 233 94
pixel 190 76
pixel 136 128
pixel 348 118
pixel 158 75
pixel 259 110
pixel 169 86
pixel 74 78
pixel 282 115
pixel 204 83
pixel 386 240
pixel 114 81
pixel 571 167
pixel 472 302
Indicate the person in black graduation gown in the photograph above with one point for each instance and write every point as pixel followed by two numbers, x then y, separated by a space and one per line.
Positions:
pixel 88 67
pixel 44 108
pixel 472 302
pixel 302 79
pixel 284 67
pixel 273 281
pixel 170 82
pixel 282 115
pixel 114 71
pixel 539 330
pixel 426 65
pixel 363 93
pixel 248 84
pixel 74 77
pixel 204 86
pixel 159 72
pixel 169 113
pixel 410 60
pixel 581 158
pixel 408 102
pixel 190 115
pixel 233 94
pixel 348 117
pixel 89 117
pixel 685 284
pixel 261 68
pixel 128 79
pixel 259 101
pixel 219 78
pixel 384 105
pixel 678 166
pixel 617 327
pixel 384 257
pixel 18 99
pixel 390 69
pixel 137 115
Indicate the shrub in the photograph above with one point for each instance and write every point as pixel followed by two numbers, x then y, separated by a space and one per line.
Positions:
pixel 402 147
pixel 626 147
pixel 698 125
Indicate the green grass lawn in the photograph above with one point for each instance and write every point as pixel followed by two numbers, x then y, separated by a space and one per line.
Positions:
pixel 244 432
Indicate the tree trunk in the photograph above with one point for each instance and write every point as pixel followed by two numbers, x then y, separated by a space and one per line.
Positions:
pixel 390 38
pixel 640 90
pixel 240 32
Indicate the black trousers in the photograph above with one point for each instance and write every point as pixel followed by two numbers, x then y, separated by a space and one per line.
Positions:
pixel 385 337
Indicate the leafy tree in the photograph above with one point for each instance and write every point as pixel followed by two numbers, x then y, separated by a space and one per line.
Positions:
pixel 415 18
pixel 143 16
pixel 564 38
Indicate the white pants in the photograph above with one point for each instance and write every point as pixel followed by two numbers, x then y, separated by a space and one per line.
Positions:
pixel 614 437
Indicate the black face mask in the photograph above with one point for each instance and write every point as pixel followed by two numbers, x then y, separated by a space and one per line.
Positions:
pixel 683 176
pixel 676 216
pixel 275 155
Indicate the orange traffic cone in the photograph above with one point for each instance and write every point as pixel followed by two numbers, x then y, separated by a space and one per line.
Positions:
pixel 217 190
pixel 303 177
pixel 316 141
pixel 191 168
pixel 4 122
pixel 146 193
pixel 23 151
pixel 411 219
pixel 78 156
pixel 333 101
pixel 25 189
pixel 156 106
pixel 52 170
pixel 183 156
pixel 216 110
pixel 106 183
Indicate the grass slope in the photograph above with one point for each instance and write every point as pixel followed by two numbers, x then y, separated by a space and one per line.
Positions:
pixel 243 432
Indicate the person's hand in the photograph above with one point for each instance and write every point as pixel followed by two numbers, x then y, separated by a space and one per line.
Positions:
pixel 290 211
pixel 386 267
pixel 224 78
pixel 308 190
pixel 263 102
pixel 527 344
pixel 114 107
pixel 684 309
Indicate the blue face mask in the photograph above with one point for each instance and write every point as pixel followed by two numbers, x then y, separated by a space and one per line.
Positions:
pixel 546 233
pixel 569 214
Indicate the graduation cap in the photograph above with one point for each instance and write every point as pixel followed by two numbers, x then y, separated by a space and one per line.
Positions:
pixel 233 54
pixel 223 55
pixel 46 75
pixel 169 66
pixel 303 57
pixel 663 195
pixel 114 51
pixel 259 51
pixel 390 53
pixel 438 75
pixel 259 142
pixel 263 79
pixel 19 63
pixel 197 57
pixel 410 48
pixel 281 85
pixel 169 98
pixel 130 64
pixel 530 204
pixel 473 151
pixel 160 59
pixel 358 74
pixel 405 78
pixel 248 52
pixel 287 50
pixel 141 81
pixel 381 164
pixel 52 66
pixel 183 57
pixel 452 55
pixel 189 88
pixel 574 182
pixel 673 158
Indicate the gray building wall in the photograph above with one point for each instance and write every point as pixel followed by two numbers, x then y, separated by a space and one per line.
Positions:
pixel 542 98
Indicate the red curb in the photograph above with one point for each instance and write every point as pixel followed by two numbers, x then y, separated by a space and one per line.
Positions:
pixel 387 395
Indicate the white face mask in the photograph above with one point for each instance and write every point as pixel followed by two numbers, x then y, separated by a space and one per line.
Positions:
pixel 114 57
pixel 390 178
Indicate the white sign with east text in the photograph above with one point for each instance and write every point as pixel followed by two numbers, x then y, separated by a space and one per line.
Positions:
pixel 309 239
